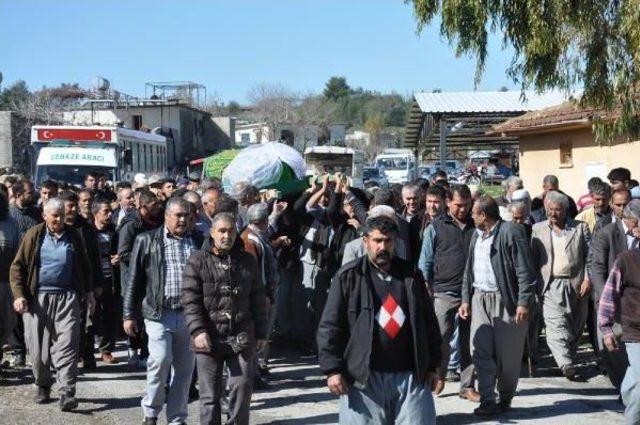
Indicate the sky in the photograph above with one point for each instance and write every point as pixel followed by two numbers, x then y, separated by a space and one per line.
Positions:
pixel 231 46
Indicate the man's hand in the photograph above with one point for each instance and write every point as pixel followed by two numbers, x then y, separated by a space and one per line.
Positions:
pixel 202 341
pixel 20 305
pixel 585 288
pixel 464 311
pixel 522 315
pixel 353 222
pixel 279 207
pixel 130 327
pixel 337 385
pixel 611 343
pixel 260 344
pixel 91 302
pixel 115 260
pixel 325 181
pixel 432 379
pixel 314 184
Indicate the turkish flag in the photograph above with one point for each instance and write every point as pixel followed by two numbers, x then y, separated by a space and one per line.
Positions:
pixel 74 134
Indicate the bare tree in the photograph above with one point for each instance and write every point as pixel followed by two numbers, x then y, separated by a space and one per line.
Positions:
pixel 314 111
pixel 45 106
pixel 273 104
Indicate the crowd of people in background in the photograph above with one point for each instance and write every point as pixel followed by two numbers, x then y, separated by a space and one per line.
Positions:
pixel 395 290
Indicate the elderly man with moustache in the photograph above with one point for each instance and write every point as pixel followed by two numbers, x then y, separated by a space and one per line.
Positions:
pixel 50 277
pixel 560 247
pixel 498 291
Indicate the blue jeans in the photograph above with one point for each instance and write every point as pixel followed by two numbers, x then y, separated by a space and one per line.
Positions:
pixel 389 398
pixel 630 388
pixel 168 351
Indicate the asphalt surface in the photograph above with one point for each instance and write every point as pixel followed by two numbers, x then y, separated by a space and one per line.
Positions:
pixel 111 394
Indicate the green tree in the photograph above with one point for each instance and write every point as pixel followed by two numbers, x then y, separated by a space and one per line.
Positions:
pixel 14 95
pixel 590 45
pixel 336 88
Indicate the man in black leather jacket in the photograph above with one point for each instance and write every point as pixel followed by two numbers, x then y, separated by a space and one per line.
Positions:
pixel 225 309
pixel 154 288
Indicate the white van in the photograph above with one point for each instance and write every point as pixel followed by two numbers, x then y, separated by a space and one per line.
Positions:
pixel 398 164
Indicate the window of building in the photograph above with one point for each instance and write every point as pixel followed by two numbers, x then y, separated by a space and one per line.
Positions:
pixel 137 122
pixel 245 137
pixel 566 154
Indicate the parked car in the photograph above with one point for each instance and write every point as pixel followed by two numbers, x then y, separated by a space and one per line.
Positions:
pixel 373 176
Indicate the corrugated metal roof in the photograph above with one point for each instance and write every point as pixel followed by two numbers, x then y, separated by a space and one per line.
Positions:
pixel 487 101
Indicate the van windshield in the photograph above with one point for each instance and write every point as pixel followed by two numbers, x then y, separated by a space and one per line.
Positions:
pixel 393 163
pixel 71 174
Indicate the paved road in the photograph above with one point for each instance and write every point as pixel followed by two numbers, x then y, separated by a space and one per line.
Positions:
pixel 111 395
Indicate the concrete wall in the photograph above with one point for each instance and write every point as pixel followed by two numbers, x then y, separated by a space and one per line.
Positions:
pixel 226 129
pixel 540 155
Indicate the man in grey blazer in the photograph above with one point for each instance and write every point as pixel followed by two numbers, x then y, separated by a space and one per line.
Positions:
pixel 498 290
pixel 560 247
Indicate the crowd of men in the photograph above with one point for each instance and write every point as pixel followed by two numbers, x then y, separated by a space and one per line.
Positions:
pixel 396 290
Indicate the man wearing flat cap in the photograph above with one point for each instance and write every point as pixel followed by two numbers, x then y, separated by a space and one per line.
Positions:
pixel 258 245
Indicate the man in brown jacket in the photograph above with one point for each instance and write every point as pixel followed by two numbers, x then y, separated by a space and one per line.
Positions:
pixel 49 278
pixel 225 310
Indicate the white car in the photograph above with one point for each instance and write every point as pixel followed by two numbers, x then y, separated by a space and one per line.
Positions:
pixel 373 176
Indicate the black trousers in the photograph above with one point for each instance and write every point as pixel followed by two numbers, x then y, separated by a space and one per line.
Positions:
pixel 240 383
pixel 104 323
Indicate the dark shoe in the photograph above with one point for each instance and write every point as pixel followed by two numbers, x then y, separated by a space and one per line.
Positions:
pixel 263 369
pixel 439 387
pixel 569 372
pixel 88 364
pixel 505 404
pixel 43 395
pixel 150 421
pixel 68 402
pixel 108 358
pixel 470 394
pixel 452 376
pixel 488 409
pixel 259 383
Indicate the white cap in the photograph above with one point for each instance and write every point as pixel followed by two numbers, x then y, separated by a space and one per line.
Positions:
pixel 635 192
pixel 520 195
pixel 140 179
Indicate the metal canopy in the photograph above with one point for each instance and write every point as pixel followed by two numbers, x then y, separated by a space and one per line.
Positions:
pixel 462 119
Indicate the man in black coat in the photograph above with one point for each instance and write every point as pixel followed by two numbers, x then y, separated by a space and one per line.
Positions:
pixel 378 334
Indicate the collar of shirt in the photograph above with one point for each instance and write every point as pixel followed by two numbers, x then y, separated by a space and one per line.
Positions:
pixel 491 232
pixel 169 235
pixel 562 231
pixel 627 232
pixel 55 236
